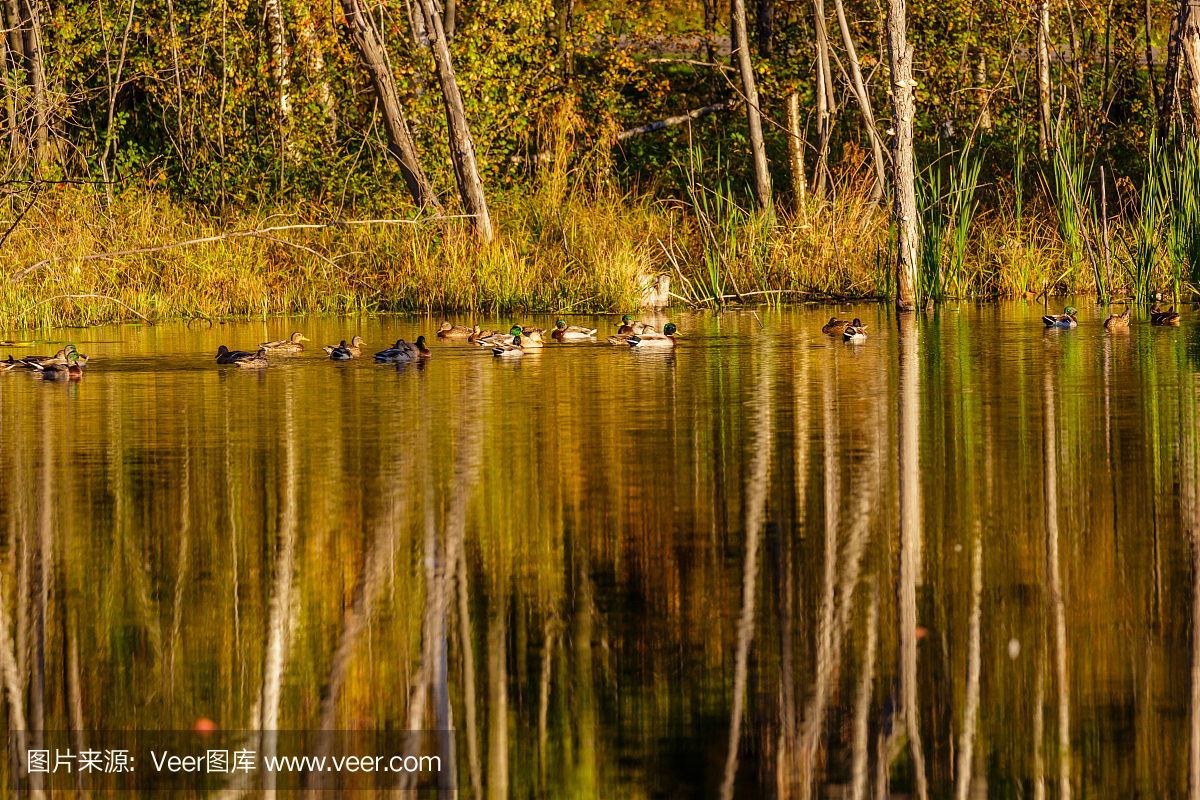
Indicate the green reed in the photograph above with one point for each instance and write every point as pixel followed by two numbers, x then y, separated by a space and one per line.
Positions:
pixel 1071 170
pixel 1143 234
pixel 946 218
pixel 1183 207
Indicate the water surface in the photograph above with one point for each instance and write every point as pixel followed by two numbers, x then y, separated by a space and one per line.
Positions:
pixel 769 563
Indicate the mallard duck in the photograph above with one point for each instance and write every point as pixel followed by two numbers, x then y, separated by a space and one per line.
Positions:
pixel 419 351
pixel 478 336
pixel 509 350
pixel 286 345
pixel 58 358
pixel 1066 320
pixel 533 339
pixel 448 331
pixel 227 356
pixel 1119 322
pixel 562 331
pixel 664 339
pixel 1168 317
pixel 835 326
pixel 855 331
pixel 5 366
pixel 68 370
pixel 354 348
pixel 630 328
pixel 256 361
pixel 340 353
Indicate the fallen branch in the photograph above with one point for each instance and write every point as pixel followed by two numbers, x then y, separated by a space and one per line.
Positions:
pixel 221 237
pixel 83 297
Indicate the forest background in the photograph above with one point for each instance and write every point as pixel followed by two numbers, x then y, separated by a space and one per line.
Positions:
pixel 1055 152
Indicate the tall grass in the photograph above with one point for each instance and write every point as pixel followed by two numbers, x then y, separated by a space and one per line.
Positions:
pixel 947 205
pixel 1071 171
pixel 1183 206
pixel 1143 234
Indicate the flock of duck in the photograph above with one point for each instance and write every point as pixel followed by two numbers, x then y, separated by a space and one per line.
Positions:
pixel 68 363
pixel 516 342
pixel 1115 321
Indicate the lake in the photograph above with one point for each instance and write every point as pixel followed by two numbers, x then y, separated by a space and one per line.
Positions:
pixel 957 559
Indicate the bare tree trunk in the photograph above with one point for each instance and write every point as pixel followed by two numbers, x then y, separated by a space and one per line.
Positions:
pixel 757 485
pixel 1166 110
pixel 980 75
pixel 400 143
pixel 35 67
pixel 11 125
pixel 826 103
pixel 796 158
pixel 462 149
pixel 1045 132
pixel 280 71
pixel 758 149
pixel 862 704
pixel 904 203
pixel 448 20
pixel 497 784
pixel 1189 42
pixel 864 104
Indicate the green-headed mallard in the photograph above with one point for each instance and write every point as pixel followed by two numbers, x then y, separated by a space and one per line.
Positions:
pixel 563 332
pixel 1168 317
pixel 291 345
pixel 1119 322
pixel 647 340
pixel 227 356
pixel 631 328
pixel 1065 320
pixel 256 361
pixel 509 350
pixel 835 326
pixel 448 331
pixel 354 348
pixel 68 370
pixel 855 331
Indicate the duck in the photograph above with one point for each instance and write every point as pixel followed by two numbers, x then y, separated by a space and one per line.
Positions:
pixel 630 328
pixel 58 358
pixel 256 361
pixel 419 350
pixel 563 332
pixel 291 345
pixel 499 338
pixel 1168 317
pixel 855 331
pixel 394 352
pixel 835 326
pixel 340 353
pixel 354 348
pixel 478 335
pixel 533 339
pixel 509 350
pixel 227 356
pixel 5 366
pixel 1119 322
pixel 664 339
pixel 1065 320
pixel 448 331
pixel 69 370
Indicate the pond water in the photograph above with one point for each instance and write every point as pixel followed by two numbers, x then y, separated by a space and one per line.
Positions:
pixel 958 557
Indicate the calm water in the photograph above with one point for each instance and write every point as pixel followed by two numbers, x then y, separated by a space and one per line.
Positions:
pixel 767 564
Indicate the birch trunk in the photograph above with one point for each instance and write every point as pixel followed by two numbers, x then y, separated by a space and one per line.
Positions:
pixel 980 76
pixel 1043 78
pixel 1054 587
pixel 864 104
pixel 400 143
pixel 313 54
pixel 904 204
pixel 758 149
pixel 280 69
pixel 462 149
pixel 796 158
